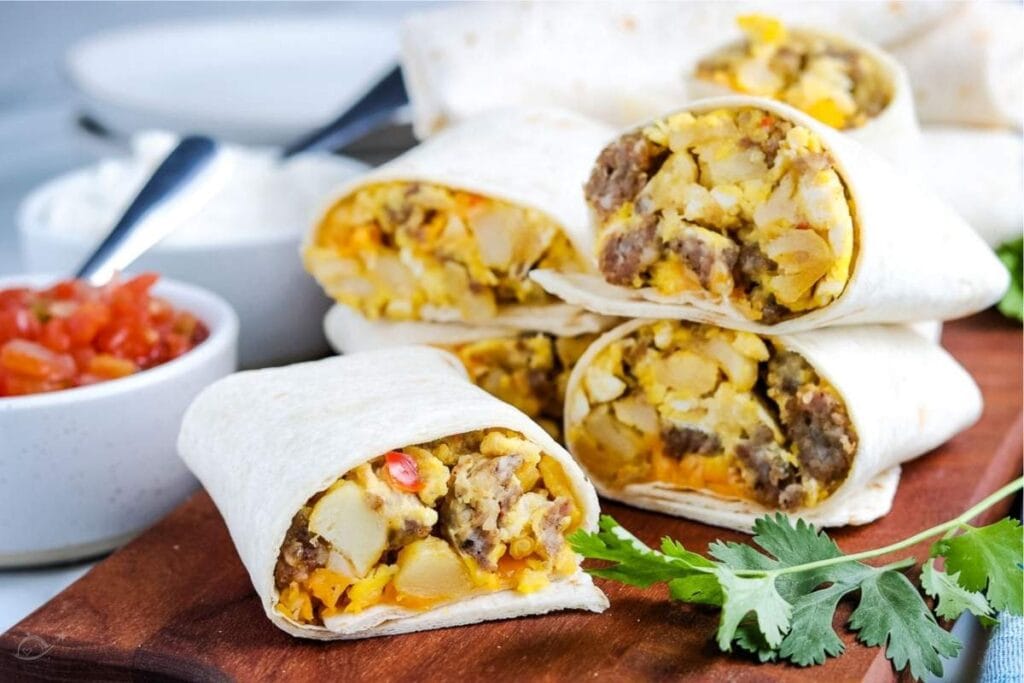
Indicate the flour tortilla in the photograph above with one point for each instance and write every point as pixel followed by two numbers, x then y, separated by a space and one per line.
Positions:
pixel 348 331
pixel 619 62
pixel 979 172
pixel 904 394
pixel 916 259
pixel 262 442
pixel 969 70
pixel 535 157
pixel 893 134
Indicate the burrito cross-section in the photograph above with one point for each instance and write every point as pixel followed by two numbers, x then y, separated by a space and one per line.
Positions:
pixel 832 80
pixel 384 493
pixel 738 203
pixel 747 213
pixel 664 410
pixel 451 230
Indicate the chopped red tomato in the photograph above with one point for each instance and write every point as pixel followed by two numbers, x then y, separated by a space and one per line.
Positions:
pixel 73 334
pixel 403 472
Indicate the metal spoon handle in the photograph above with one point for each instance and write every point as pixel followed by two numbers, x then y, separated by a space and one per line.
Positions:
pixel 132 235
pixel 374 108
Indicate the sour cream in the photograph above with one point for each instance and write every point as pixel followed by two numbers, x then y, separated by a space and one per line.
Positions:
pixel 260 198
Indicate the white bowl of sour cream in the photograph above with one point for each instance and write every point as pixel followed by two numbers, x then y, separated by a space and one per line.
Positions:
pixel 243 244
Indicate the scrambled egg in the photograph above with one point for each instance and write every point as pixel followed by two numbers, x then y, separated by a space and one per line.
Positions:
pixel 413 251
pixel 833 82
pixel 530 371
pixel 693 406
pixel 511 503
pixel 744 206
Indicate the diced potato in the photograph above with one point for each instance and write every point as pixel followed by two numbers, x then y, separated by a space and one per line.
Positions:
pixel 689 373
pixel 429 569
pixel 343 517
pixel 741 370
pixel 613 438
pixel 603 386
pixel 577 407
pixel 637 413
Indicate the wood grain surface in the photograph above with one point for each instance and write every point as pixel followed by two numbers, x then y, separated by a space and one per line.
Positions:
pixel 177 604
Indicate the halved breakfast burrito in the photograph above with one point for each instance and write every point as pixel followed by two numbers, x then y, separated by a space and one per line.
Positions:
pixel 451 230
pixel 383 493
pixel 745 212
pixel 724 426
pixel 845 83
pixel 526 368
pixel 968 71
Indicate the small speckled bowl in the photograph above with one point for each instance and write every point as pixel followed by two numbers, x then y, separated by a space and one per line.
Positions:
pixel 83 470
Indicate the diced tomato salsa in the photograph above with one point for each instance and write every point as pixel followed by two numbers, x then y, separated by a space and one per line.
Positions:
pixel 74 334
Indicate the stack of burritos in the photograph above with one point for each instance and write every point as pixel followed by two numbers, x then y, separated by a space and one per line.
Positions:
pixel 709 314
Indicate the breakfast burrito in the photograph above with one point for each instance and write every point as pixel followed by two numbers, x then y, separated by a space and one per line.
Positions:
pixel 724 426
pixel 383 493
pixel 745 212
pixel 618 62
pixel 526 368
pixel 980 172
pixel 845 83
pixel 968 69
pixel 451 230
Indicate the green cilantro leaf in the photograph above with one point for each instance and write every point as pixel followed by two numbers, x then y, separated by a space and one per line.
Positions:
pixel 701 589
pixel 811 638
pixel 779 595
pixel 749 638
pixel 952 598
pixel 988 559
pixel 1012 255
pixel 635 563
pixel 751 595
pixel 891 613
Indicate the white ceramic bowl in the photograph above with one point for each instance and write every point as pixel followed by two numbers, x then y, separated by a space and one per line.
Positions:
pixel 280 307
pixel 83 470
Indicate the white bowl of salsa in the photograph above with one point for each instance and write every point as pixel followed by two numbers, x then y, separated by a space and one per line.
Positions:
pixel 243 244
pixel 87 467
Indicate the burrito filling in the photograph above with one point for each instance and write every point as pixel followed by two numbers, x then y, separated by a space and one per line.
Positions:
pixel 434 523
pixel 730 205
pixel 530 371
pixel 835 83
pixel 410 251
pixel 708 409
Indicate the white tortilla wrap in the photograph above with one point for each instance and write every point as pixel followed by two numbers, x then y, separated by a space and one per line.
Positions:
pixel 904 395
pixel 915 259
pixel 349 332
pixel 262 442
pixel 969 69
pixel 893 134
pixel 619 62
pixel 980 172
pixel 534 157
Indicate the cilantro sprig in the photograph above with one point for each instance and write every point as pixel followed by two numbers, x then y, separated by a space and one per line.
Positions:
pixel 778 596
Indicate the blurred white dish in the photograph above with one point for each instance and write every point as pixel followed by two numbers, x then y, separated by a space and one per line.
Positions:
pixel 251 80
pixel 243 245
pixel 85 469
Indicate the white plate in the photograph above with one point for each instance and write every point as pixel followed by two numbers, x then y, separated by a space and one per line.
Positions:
pixel 261 80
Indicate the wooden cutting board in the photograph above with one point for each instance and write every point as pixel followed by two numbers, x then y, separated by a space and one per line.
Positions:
pixel 177 604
